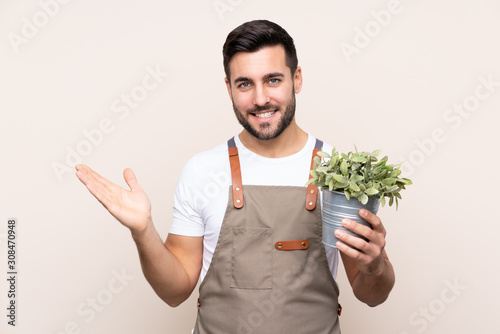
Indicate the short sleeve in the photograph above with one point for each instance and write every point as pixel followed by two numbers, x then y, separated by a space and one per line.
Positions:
pixel 187 220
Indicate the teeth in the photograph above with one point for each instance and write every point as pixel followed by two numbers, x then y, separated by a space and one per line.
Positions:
pixel 265 115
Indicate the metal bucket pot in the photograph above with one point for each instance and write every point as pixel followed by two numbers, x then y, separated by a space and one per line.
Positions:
pixel 336 207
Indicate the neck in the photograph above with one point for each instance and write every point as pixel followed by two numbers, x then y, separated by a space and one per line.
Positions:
pixel 289 142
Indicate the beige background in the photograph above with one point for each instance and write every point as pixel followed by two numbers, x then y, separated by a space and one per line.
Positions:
pixel 60 78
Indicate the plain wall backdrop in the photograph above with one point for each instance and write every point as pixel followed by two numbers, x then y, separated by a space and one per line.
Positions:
pixel 116 84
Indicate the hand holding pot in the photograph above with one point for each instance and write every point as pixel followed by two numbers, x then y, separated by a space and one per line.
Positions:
pixel 369 254
pixel 368 268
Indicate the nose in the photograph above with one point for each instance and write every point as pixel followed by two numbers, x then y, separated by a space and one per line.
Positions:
pixel 261 96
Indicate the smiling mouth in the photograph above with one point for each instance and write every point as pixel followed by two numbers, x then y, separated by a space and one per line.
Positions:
pixel 264 114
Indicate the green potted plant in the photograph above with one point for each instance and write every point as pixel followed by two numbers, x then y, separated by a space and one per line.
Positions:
pixel 353 181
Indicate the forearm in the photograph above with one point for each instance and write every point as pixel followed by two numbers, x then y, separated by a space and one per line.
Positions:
pixel 373 289
pixel 162 269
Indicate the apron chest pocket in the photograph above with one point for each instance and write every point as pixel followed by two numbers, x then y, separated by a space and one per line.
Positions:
pixel 251 263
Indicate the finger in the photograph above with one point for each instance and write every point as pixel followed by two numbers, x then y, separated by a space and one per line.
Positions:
pixel 349 251
pixel 131 180
pixel 98 183
pixel 351 240
pixel 373 219
pixel 82 173
pixel 97 179
pixel 82 177
pixel 357 228
pixel 376 239
pixel 366 254
pixel 102 189
pixel 98 190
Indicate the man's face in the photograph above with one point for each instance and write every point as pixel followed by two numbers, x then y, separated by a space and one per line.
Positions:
pixel 262 91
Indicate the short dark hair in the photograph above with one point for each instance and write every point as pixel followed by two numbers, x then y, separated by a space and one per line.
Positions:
pixel 252 36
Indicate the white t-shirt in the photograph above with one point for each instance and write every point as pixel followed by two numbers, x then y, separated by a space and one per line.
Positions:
pixel 202 191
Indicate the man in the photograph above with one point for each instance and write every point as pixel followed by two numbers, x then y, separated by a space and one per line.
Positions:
pixel 257 247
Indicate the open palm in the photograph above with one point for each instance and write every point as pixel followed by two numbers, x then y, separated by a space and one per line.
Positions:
pixel 131 207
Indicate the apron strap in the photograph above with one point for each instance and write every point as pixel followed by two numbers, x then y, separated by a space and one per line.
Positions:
pixel 234 162
pixel 312 189
pixel 237 186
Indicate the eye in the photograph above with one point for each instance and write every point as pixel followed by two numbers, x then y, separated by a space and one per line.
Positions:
pixel 274 81
pixel 244 85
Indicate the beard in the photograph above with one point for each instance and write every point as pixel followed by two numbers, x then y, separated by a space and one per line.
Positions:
pixel 264 131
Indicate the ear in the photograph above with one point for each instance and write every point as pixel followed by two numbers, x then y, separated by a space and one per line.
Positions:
pixel 297 80
pixel 228 86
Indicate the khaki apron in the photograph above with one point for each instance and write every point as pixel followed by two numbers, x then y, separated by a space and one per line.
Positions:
pixel 269 272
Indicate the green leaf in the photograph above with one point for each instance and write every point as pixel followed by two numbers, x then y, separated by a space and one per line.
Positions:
pixel 356 194
pixel 314 174
pixel 389 181
pixel 340 178
pixel 381 176
pixel 368 165
pixel 362 187
pixel 405 181
pixel 323 154
pixel 333 161
pixel 358 158
pixel 376 153
pixel 363 199
pixel 353 186
pixel 395 173
pixel 355 178
pixel 391 189
pixel 311 180
pixel 382 201
pixel 322 169
pixel 347 194
pixel 317 160
pixel 343 167
pixel 371 191
pixel 341 185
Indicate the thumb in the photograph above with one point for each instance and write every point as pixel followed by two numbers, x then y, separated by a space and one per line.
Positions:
pixel 131 180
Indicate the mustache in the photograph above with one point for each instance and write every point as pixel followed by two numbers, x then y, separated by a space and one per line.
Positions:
pixel 265 107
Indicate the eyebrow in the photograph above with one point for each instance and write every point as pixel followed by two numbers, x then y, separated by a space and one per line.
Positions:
pixel 274 75
pixel 267 76
pixel 241 79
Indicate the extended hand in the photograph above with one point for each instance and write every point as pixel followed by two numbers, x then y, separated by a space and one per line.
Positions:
pixel 370 254
pixel 131 207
